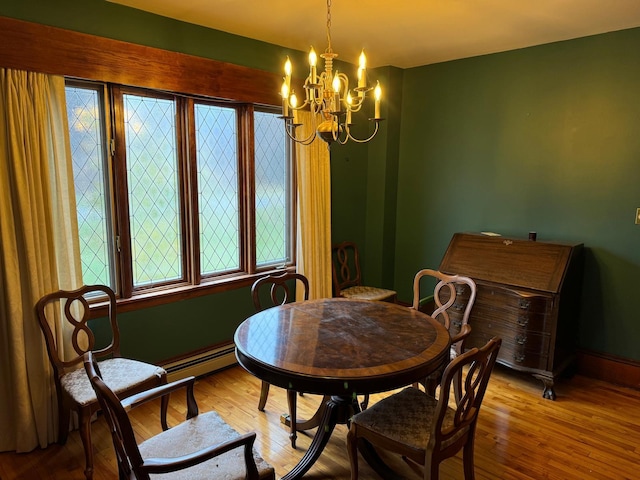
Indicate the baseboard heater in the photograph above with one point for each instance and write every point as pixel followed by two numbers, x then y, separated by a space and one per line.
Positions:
pixel 201 363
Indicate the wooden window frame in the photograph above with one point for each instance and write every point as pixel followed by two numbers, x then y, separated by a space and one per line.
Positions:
pixel 40 48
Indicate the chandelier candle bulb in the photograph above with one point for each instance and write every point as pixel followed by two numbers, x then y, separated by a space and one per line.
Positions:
pixel 362 71
pixel 287 72
pixel 377 94
pixel 294 104
pixel 336 92
pixel 285 99
pixel 313 60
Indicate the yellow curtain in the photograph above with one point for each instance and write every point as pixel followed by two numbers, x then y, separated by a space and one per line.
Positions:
pixel 314 214
pixel 39 249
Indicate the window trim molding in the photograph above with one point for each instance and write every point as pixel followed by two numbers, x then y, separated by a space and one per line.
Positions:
pixel 185 292
pixel 41 48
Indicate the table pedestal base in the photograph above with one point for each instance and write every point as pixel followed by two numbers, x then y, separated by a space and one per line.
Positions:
pixel 333 410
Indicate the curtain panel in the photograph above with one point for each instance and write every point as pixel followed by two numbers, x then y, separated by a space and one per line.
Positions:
pixel 314 213
pixel 39 249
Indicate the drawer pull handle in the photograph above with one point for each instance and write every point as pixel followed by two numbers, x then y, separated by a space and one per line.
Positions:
pixel 522 321
pixel 525 304
pixel 459 289
pixel 521 339
pixel 518 357
pixel 458 306
pixel 456 323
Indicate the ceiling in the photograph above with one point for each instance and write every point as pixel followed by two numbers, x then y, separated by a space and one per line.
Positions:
pixel 404 33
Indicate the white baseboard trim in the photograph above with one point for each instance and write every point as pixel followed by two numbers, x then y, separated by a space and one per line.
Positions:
pixel 202 363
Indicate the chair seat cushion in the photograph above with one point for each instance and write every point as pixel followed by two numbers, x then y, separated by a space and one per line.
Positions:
pixel 119 373
pixel 202 431
pixel 367 293
pixel 405 417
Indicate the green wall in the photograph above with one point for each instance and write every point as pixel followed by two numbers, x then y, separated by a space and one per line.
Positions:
pixel 364 182
pixel 545 139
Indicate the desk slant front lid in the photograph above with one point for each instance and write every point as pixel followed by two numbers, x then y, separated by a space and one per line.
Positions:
pixel 519 263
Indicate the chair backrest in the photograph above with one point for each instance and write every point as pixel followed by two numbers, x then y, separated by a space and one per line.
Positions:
pixel 469 375
pixel 454 296
pixel 345 266
pixel 124 440
pixel 72 307
pixel 279 289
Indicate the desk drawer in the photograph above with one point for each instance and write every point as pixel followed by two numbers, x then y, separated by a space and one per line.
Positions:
pixel 526 340
pixel 514 352
pixel 521 310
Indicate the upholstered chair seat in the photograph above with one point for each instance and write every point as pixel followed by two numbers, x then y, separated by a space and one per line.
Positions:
pixel 194 434
pixel 408 418
pixel 121 374
pixel 361 292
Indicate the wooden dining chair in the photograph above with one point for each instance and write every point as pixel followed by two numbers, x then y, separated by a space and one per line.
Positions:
pixel 347 277
pixel 279 292
pixel 453 298
pixel 74 393
pixel 425 430
pixel 202 447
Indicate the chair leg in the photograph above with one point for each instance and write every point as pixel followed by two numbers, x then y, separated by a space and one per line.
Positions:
pixel 84 418
pixel 352 450
pixel 431 468
pixel 365 402
pixel 264 393
pixel 292 401
pixel 431 385
pixel 164 405
pixel 63 422
pixel 467 459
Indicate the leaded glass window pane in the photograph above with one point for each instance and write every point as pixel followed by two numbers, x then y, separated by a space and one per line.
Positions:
pixel 154 198
pixel 84 115
pixel 272 202
pixel 218 188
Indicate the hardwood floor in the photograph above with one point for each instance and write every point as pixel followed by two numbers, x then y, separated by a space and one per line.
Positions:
pixel 592 431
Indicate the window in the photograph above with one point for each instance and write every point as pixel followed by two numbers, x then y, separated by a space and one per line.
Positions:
pixel 92 185
pixel 273 190
pixel 173 190
pixel 219 210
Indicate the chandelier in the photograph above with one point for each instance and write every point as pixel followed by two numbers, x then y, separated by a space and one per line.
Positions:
pixel 328 98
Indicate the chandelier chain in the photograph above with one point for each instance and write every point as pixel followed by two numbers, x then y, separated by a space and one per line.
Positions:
pixel 329 50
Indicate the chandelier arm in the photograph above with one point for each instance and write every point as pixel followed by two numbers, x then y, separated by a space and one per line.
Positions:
pixel 303 141
pixel 351 137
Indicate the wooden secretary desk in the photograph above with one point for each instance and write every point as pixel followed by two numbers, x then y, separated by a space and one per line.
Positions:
pixel 528 293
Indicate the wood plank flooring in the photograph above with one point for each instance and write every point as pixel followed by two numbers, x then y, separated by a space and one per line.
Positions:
pixel 592 431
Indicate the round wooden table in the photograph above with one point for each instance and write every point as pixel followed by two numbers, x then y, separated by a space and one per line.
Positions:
pixel 339 348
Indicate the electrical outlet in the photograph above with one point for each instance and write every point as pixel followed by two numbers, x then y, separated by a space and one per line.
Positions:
pixel 637 216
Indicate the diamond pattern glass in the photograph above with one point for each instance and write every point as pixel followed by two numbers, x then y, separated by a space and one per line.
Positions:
pixel 84 115
pixel 218 188
pixel 154 205
pixel 272 202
